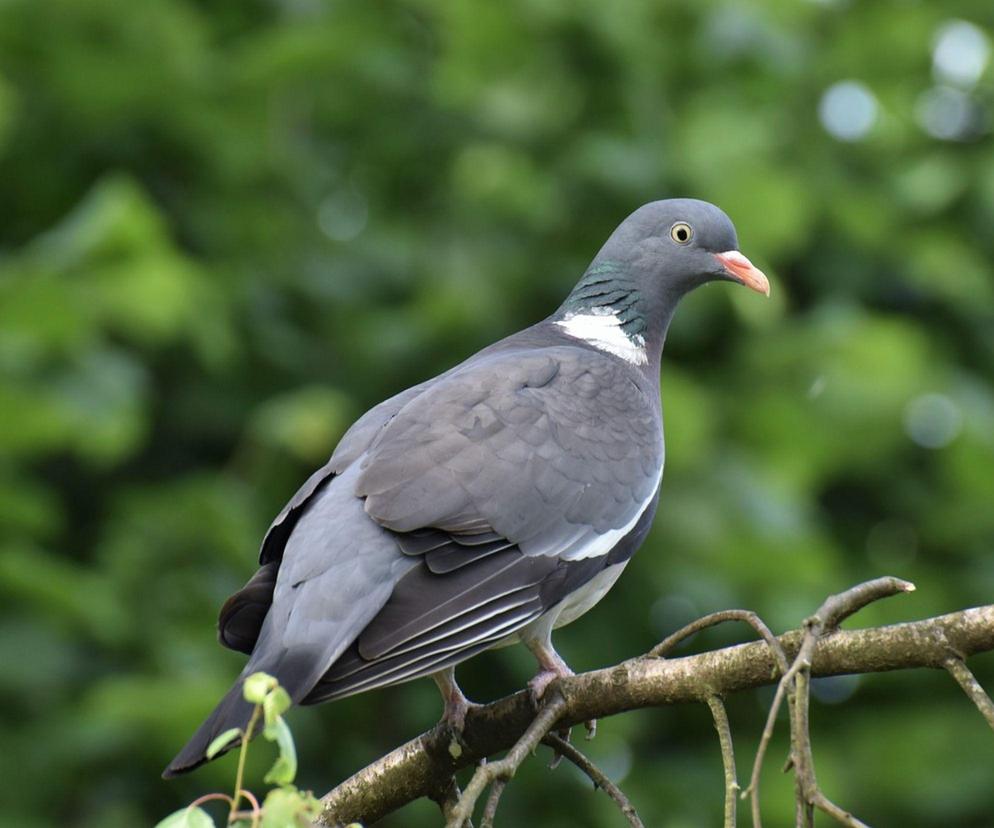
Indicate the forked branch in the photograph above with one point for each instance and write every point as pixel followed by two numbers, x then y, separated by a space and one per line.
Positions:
pixel 424 766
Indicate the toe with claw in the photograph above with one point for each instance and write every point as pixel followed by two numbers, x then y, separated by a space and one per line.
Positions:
pixel 541 681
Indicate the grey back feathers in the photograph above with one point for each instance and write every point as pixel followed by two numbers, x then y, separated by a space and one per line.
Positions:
pixel 546 449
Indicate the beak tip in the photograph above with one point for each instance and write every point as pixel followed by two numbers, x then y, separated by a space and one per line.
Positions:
pixel 743 271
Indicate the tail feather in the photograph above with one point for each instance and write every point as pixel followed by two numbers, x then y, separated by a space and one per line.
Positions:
pixel 243 614
pixel 297 672
pixel 232 711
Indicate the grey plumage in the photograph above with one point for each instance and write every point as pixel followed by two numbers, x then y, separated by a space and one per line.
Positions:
pixel 477 506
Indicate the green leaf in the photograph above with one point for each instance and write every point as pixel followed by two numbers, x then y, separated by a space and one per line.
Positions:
pixel 222 741
pixel 284 769
pixel 187 818
pixel 275 704
pixel 257 686
pixel 289 808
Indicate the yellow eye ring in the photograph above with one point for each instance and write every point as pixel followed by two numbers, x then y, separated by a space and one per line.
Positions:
pixel 681 232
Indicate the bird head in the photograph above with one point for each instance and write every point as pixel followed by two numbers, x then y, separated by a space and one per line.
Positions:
pixel 674 245
pixel 625 300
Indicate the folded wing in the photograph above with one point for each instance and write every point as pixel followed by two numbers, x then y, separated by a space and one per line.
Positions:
pixel 513 484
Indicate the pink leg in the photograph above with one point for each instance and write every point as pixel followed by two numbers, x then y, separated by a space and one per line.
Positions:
pixel 456 704
pixel 551 667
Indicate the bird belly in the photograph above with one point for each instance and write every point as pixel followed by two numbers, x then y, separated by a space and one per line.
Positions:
pixel 579 602
pixel 569 609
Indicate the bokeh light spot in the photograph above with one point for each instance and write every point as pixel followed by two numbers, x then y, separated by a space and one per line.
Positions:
pixel 342 216
pixel 848 110
pixel 817 387
pixel 932 420
pixel 960 54
pixel 949 114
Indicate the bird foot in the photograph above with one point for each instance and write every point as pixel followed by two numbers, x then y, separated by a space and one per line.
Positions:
pixel 551 669
pixel 536 690
pixel 543 678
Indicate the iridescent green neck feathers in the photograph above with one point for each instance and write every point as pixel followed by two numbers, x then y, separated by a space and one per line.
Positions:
pixel 604 310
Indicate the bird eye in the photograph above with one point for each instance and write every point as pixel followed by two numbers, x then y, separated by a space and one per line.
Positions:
pixel 681 232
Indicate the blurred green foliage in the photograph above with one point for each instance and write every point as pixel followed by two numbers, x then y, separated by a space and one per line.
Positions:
pixel 229 227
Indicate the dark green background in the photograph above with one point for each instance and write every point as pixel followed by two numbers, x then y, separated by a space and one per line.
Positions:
pixel 228 228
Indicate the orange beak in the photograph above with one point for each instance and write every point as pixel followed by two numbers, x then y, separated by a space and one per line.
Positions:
pixel 742 270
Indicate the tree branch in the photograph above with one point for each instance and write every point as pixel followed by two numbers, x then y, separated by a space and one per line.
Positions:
pixel 424 765
pixel 830 614
pixel 727 758
pixel 596 775
pixel 501 771
pixel 965 678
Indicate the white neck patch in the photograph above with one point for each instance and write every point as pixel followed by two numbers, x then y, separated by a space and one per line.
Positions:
pixel 601 327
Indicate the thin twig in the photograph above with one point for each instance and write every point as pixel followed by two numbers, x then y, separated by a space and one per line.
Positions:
pixel 837 608
pixel 597 776
pixel 805 785
pixel 240 773
pixel 493 800
pixel 830 614
pixel 779 656
pixel 720 717
pixel 200 800
pixel 505 768
pixel 714 618
pixel 964 676
pixel 784 690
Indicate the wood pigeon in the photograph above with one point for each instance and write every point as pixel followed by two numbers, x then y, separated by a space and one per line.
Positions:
pixel 486 506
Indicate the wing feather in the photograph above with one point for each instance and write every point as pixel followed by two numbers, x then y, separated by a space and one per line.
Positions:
pixel 422 600
pixel 353 674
